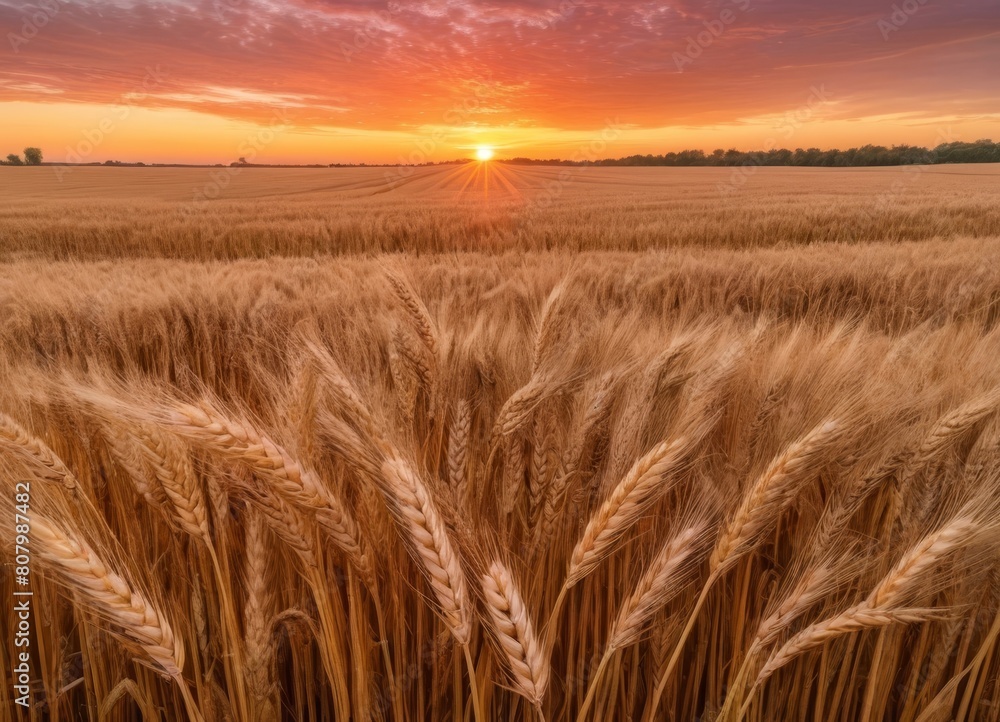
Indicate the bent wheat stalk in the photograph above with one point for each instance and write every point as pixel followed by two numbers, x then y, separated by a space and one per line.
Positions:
pixel 642 485
pixel 886 603
pixel 134 620
pixel 239 442
pixel 18 439
pixel 662 581
pixel 623 508
pixel 815 584
pixel 773 491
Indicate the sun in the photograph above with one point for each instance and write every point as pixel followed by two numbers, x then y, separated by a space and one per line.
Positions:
pixel 484 152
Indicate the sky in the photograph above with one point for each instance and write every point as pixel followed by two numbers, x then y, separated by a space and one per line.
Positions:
pixel 325 81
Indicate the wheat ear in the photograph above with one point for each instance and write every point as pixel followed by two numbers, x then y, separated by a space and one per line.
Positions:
pixel 126 452
pixel 759 510
pixel 417 312
pixel 172 467
pixel 338 384
pixel 657 586
pixel 288 525
pixel 815 584
pixel 773 491
pixel 547 332
pixel 542 463
pixel 18 439
pixel 660 583
pixel 518 407
pixel 886 603
pixel 555 492
pixel 431 544
pixel 624 507
pixel 515 634
pixel 952 426
pixel 258 613
pixel 458 451
pixel 240 442
pixel 139 623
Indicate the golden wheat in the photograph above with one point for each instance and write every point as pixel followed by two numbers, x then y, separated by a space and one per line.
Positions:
pixel 670 463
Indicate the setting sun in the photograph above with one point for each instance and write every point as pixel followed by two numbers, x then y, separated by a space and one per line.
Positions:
pixel 484 152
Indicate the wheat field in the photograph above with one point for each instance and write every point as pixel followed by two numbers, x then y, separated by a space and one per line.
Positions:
pixel 224 214
pixel 639 451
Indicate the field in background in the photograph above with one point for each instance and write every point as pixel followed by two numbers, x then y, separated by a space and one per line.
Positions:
pixel 204 213
pixel 700 471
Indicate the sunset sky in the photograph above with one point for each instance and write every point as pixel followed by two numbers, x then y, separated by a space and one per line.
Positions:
pixel 328 81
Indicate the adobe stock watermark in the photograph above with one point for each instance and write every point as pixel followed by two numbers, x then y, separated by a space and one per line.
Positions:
pixel 714 29
pixel 590 151
pixel 562 12
pixel 224 7
pixel 900 15
pixel 95 136
pixel 44 13
pixel 370 31
pixel 909 176
pixel 790 123
pixel 21 604
pixel 248 150
pixel 425 147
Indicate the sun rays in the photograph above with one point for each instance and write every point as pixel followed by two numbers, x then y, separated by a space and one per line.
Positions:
pixel 490 180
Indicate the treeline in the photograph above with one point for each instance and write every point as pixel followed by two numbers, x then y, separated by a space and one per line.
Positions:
pixel 32 156
pixel 981 151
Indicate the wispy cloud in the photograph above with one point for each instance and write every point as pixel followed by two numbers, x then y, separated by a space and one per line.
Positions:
pixel 565 64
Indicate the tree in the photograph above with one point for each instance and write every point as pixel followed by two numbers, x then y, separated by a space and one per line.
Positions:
pixel 33 156
pixel 14 159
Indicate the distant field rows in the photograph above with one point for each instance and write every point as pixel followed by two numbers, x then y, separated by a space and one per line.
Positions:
pixel 203 213
pixel 893 287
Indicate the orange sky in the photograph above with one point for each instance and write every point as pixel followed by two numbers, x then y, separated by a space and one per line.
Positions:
pixel 328 81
